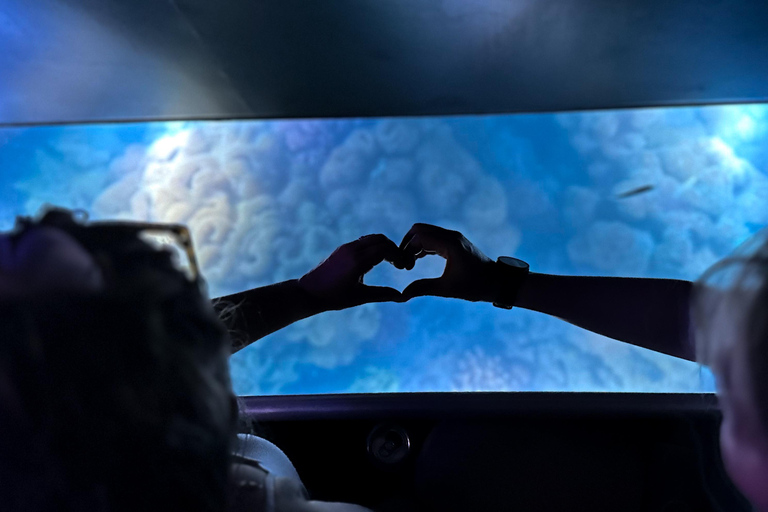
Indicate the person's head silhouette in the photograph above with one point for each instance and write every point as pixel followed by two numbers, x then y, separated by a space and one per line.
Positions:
pixel 730 317
pixel 114 384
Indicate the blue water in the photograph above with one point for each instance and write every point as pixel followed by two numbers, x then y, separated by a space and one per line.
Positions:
pixel 267 201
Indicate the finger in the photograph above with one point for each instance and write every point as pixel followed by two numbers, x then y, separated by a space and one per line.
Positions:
pixel 421 244
pixel 380 294
pixel 410 256
pixel 409 259
pixel 424 229
pixel 411 243
pixel 354 249
pixel 434 239
pixel 371 254
pixel 419 227
pixel 373 239
pixel 435 286
pixel 414 250
pixel 370 247
pixel 367 241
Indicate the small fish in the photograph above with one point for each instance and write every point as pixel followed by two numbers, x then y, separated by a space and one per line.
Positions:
pixel 635 191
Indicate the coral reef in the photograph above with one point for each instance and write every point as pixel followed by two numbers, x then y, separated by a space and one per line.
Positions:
pixel 478 371
pixel 580 205
pixel 486 206
pixel 649 192
pixel 266 368
pixel 220 181
pixel 393 173
pixel 395 136
pixel 701 186
pixel 68 171
pixel 249 193
pixel 613 248
pixel 376 380
pixel 562 357
pixel 349 163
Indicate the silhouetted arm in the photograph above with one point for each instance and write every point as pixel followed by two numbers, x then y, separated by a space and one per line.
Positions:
pixel 336 283
pixel 649 313
pixel 253 314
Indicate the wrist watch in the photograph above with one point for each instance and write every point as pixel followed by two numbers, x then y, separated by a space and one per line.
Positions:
pixel 511 273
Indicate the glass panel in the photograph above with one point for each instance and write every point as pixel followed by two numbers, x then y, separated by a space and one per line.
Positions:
pixel 653 192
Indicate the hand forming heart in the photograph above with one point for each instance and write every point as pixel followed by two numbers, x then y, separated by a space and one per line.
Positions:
pixel 469 274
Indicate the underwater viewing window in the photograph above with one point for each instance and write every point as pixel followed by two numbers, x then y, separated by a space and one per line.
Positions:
pixel 657 192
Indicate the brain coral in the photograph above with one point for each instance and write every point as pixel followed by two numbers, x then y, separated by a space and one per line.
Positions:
pixel 269 201
pixel 580 205
pixel 68 171
pixel 397 136
pixel 392 173
pixel 486 207
pixel 333 338
pixel 251 204
pixel 350 162
pixel 703 184
pixel 216 180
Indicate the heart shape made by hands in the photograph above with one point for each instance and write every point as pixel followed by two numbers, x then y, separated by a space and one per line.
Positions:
pixel 385 274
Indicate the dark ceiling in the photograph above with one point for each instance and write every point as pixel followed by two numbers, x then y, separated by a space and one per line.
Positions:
pixel 118 60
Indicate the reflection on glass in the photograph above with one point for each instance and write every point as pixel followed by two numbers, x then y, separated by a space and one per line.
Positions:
pixel 653 192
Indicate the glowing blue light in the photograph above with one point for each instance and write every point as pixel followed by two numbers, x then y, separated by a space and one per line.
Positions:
pixel 746 126
pixel 267 201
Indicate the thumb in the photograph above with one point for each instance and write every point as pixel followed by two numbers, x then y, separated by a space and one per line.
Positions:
pixel 433 286
pixel 379 294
